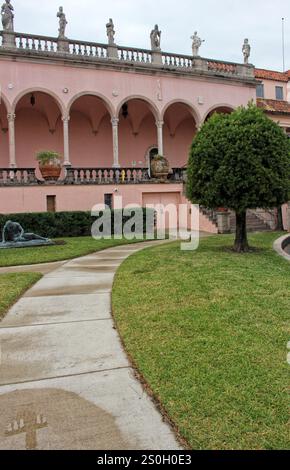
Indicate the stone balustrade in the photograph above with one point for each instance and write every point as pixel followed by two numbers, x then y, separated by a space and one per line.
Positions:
pixel 17 177
pixel 135 55
pixel 31 42
pixel 177 60
pixel 106 175
pixel 37 45
pixel 83 176
pixel 87 49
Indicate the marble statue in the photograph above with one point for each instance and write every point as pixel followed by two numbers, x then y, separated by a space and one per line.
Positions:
pixel 155 37
pixel 196 43
pixel 246 51
pixel 62 23
pixel 13 236
pixel 111 32
pixel 7 16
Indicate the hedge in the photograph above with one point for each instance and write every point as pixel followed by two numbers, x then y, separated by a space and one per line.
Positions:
pixel 65 224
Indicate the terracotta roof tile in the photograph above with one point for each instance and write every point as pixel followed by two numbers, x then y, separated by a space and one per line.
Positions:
pixel 274 106
pixel 272 75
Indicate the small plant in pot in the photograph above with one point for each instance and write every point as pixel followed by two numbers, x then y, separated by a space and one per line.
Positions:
pixel 49 165
pixel 160 167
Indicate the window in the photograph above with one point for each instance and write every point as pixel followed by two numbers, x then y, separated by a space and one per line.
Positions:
pixel 260 91
pixel 279 93
pixel 108 199
pixel 51 203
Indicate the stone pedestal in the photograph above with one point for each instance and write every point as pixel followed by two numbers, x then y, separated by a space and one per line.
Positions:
pixel 113 52
pixel 157 58
pixel 9 40
pixel 200 64
pixel 246 71
pixel 224 222
pixel 63 45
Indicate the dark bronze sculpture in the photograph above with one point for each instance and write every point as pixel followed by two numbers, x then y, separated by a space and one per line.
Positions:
pixel 14 236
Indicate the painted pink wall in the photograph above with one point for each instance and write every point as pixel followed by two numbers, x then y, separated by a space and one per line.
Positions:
pixel 83 198
pixel 4 150
pixel 177 146
pixel 133 148
pixel 32 135
pixel 117 86
pixel 86 148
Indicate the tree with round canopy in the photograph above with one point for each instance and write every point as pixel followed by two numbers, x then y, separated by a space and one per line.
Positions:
pixel 240 161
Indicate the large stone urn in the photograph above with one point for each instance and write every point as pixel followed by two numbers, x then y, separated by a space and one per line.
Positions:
pixel 50 166
pixel 160 168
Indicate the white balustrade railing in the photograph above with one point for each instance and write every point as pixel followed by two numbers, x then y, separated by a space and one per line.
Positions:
pixel 88 49
pixel 134 55
pixel 177 60
pixel 37 44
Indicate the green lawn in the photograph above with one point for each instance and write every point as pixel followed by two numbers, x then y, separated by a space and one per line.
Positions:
pixel 12 286
pixel 73 248
pixel 208 330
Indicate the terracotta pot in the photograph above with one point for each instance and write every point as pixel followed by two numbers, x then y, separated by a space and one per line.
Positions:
pixel 160 168
pixel 50 171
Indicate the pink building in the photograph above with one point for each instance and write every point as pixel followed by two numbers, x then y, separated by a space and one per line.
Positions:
pixel 107 110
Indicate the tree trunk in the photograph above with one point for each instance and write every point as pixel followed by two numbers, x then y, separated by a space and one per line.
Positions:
pixel 241 242
pixel 279 225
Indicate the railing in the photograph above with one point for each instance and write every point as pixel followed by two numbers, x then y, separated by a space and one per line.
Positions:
pixel 88 49
pixel 17 177
pixel 44 45
pixel 118 176
pixel 177 60
pixel 106 176
pixel 128 54
pixel 83 176
pixel 31 42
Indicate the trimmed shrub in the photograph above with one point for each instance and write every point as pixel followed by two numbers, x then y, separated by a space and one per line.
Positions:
pixel 66 224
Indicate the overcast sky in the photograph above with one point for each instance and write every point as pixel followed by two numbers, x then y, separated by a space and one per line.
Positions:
pixel 223 24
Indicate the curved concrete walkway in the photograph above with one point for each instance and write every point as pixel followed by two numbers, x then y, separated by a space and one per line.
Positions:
pixel 65 381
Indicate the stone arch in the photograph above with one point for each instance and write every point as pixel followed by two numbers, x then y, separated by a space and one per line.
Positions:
pixel 90 130
pixel 217 107
pixel 50 93
pixel 42 120
pixel 190 106
pixel 151 104
pixel 137 129
pixel 105 100
pixel 181 122
pixel 148 151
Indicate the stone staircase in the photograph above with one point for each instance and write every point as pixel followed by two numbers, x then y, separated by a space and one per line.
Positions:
pixel 257 220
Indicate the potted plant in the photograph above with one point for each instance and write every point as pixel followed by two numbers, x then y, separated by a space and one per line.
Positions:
pixel 160 167
pixel 49 165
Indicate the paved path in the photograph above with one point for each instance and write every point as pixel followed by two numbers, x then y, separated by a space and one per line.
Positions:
pixel 42 268
pixel 65 382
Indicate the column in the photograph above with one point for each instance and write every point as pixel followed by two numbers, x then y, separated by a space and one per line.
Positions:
pixel 11 126
pixel 65 120
pixel 115 127
pixel 159 125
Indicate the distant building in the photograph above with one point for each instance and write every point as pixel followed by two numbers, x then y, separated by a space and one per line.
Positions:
pixel 273 95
